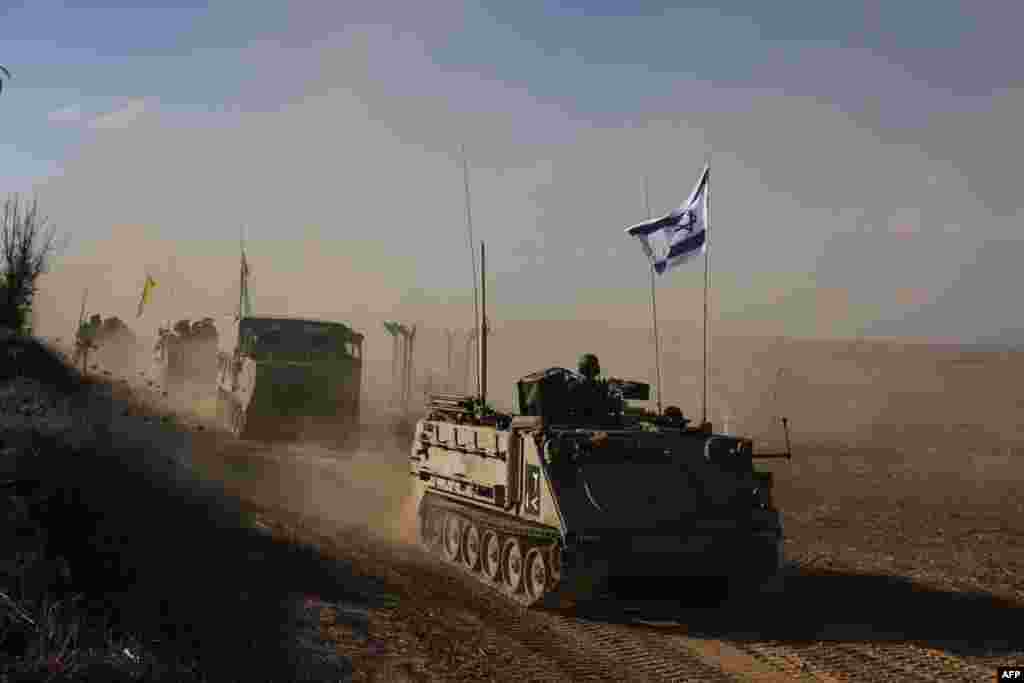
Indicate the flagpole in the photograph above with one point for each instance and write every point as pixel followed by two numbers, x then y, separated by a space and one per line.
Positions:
pixel 172 269
pixel 241 271
pixel 81 315
pixel 707 282
pixel 654 311
pixel 142 298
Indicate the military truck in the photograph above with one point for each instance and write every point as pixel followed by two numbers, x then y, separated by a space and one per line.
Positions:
pixel 285 378
pixel 186 356
pixel 111 342
pixel 581 494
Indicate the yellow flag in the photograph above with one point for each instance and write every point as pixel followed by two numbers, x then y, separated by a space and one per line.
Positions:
pixel 147 294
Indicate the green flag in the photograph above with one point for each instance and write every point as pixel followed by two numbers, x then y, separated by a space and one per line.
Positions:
pixel 245 304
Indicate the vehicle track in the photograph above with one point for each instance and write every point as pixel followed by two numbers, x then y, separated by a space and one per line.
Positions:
pixel 595 651
pixel 611 650
pixel 865 661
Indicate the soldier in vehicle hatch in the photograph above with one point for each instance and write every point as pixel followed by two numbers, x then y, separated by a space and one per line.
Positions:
pixel 589 397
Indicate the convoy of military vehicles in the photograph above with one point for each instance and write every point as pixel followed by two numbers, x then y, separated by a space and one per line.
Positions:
pixel 186 355
pixel 577 492
pixel 106 339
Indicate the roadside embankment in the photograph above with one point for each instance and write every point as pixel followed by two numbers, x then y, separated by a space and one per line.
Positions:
pixel 117 563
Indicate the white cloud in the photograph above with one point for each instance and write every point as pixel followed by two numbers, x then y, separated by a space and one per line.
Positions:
pixel 69 114
pixel 120 118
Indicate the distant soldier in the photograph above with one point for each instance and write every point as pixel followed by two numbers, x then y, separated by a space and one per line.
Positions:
pixel 589 396
pixel 204 329
pixel 161 342
pixel 87 339
pixel 589 366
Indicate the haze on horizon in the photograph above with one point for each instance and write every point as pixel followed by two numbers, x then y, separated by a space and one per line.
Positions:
pixel 865 171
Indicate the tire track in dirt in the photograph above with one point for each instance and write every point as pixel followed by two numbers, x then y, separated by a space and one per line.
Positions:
pixel 644 653
pixel 555 645
pixel 547 647
pixel 896 662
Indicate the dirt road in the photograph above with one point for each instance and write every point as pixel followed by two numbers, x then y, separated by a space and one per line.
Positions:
pixel 894 579
pixel 907 566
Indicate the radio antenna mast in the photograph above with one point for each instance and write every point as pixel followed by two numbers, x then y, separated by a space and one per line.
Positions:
pixel 472 250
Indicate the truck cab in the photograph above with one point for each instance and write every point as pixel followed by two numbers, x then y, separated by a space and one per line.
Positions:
pixel 299 376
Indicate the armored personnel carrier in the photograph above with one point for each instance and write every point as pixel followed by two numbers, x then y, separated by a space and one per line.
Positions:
pixel 186 355
pixel 281 378
pixel 579 494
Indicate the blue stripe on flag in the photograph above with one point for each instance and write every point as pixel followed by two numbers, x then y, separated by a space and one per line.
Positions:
pixel 647 227
pixel 690 245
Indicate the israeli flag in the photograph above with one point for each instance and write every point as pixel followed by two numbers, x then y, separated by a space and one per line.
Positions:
pixel 676 238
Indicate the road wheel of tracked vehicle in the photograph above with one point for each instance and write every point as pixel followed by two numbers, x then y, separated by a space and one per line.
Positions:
pixel 437 524
pixel 433 530
pixel 471 546
pixel 490 558
pixel 537 574
pixel 554 558
pixel 428 530
pixel 512 566
pixel 452 537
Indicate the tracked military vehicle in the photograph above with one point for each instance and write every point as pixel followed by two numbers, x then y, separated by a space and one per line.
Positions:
pixel 110 340
pixel 186 357
pixel 578 494
pixel 282 378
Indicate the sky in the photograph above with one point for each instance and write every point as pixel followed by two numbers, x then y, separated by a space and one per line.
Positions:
pixel 865 159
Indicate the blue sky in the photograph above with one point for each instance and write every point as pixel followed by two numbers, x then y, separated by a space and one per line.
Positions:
pixel 866 155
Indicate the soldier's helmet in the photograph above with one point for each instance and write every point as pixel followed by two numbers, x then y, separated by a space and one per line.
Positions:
pixel 589 366
pixel 674 413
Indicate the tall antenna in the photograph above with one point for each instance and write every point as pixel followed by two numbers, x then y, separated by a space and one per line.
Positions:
pixel 449 381
pixel 483 326
pixel 472 253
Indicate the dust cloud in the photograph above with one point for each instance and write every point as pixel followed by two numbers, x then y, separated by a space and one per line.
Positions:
pixel 934 408
pixel 366 487
pixel 922 410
